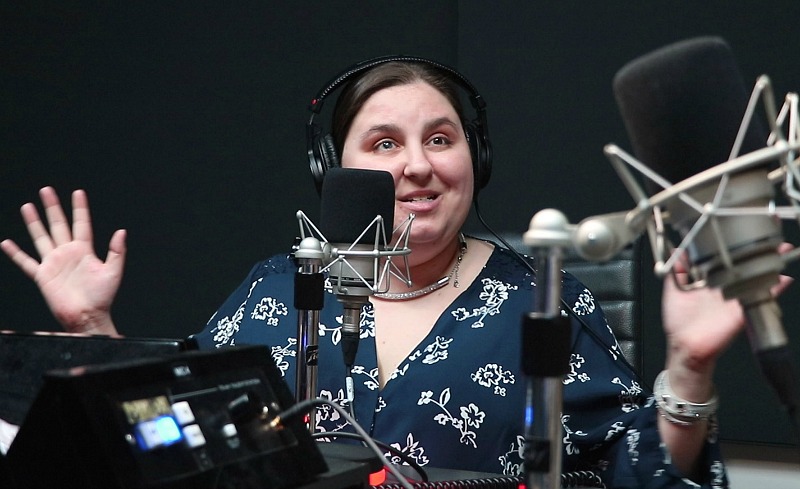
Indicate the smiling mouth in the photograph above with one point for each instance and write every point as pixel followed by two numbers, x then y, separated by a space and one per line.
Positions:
pixel 421 199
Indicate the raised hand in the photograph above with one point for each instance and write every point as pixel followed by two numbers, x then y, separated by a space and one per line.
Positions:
pixel 78 287
pixel 701 324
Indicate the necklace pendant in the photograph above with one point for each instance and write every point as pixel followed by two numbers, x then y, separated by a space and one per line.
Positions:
pixel 402 296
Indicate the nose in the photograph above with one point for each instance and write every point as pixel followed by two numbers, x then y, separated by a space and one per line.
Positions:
pixel 417 164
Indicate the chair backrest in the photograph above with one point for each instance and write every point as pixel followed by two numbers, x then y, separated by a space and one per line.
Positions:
pixel 616 284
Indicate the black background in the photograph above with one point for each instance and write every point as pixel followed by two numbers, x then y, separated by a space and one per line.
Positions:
pixel 184 121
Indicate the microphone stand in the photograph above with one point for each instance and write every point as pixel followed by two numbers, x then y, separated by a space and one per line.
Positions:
pixel 309 292
pixel 545 353
pixel 351 280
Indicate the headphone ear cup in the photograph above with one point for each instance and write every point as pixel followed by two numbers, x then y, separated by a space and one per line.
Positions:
pixel 327 151
pixel 323 159
pixel 322 152
pixel 481 151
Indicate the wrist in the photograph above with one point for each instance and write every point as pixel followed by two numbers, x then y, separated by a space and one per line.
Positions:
pixel 90 323
pixel 679 410
pixel 690 377
pixel 689 384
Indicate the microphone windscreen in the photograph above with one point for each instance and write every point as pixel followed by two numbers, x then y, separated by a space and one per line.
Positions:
pixel 682 106
pixel 351 198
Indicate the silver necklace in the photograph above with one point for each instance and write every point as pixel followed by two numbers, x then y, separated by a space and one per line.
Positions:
pixel 403 296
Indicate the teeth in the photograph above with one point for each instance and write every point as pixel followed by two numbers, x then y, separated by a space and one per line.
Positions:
pixel 419 199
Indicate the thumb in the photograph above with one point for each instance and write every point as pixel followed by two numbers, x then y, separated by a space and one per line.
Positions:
pixel 116 251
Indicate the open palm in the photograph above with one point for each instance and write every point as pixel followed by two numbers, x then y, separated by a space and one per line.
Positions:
pixel 78 287
pixel 701 321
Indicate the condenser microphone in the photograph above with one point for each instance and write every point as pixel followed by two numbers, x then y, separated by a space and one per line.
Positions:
pixel 356 216
pixel 683 106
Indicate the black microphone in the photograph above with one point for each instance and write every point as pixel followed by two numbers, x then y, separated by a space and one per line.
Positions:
pixel 357 214
pixel 683 106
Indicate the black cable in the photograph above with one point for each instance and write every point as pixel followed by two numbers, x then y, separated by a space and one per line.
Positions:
pixel 582 478
pixel 793 413
pixel 301 408
pixel 394 451
pixel 593 334
pixel 485 483
pixel 577 479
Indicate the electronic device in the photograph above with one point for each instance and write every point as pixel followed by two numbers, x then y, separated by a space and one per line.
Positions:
pixel 25 357
pixel 192 419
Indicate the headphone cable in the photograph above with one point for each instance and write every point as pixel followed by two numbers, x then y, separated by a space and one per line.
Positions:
pixel 526 263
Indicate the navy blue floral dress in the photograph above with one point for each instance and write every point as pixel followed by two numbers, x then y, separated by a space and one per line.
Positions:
pixel 457 401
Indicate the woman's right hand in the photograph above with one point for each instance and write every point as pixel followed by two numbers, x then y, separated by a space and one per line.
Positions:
pixel 78 287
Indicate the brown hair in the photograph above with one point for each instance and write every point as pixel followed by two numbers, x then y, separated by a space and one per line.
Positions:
pixel 391 74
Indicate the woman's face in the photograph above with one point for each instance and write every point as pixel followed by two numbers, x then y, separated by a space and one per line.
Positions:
pixel 414 133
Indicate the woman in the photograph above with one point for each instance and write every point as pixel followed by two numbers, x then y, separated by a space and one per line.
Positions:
pixel 437 370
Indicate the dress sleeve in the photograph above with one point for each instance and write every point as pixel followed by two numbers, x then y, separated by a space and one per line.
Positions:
pixel 610 418
pixel 227 322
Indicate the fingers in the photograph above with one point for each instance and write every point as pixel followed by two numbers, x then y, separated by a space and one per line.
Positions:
pixel 36 229
pixel 81 217
pixel 56 232
pixel 24 261
pixel 59 225
pixel 784 281
pixel 680 271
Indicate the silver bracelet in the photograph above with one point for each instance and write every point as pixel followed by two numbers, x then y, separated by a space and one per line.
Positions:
pixel 680 411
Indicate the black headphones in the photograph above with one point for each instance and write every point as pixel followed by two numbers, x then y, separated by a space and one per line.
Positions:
pixel 322 151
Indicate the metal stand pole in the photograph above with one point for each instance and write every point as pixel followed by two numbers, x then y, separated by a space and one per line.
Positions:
pixel 309 292
pixel 545 353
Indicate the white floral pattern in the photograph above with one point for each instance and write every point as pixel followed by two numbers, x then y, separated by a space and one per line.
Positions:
pixel 633 445
pixel 268 310
pixel 615 350
pixel 225 331
pixel 412 450
pixel 718 471
pixel 399 372
pixel 585 304
pixel 281 353
pixel 328 419
pixel 458 401
pixel 511 461
pixel 470 416
pixel 437 351
pixel 569 445
pixel 576 361
pixel 492 376
pixel 616 427
pixel 372 381
pixel 494 293
pixel 628 395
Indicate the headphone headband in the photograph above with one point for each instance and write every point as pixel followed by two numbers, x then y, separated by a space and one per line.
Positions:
pixel 321 149
pixel 316 103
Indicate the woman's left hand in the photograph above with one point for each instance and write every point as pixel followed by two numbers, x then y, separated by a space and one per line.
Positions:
pixel 700 324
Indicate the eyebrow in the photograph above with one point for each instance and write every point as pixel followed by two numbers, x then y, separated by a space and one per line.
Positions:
pixel 440 121
pixel 394 128
pixel 378 128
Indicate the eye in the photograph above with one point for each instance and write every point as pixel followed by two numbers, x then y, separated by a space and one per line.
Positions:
pixel 385 145
pixel 440 141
